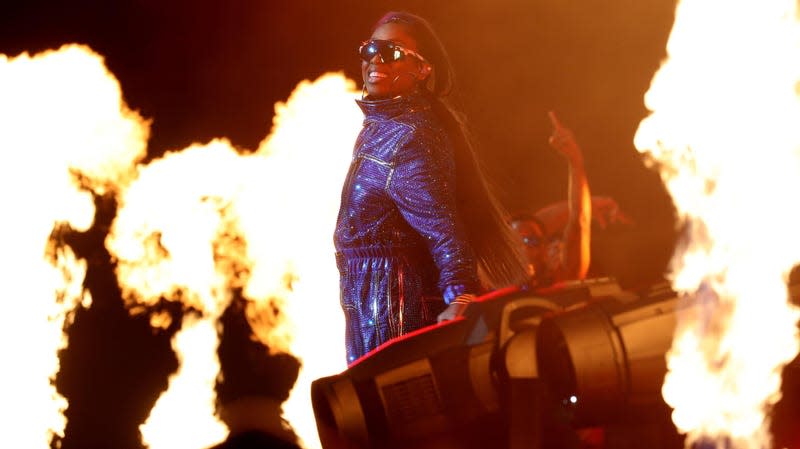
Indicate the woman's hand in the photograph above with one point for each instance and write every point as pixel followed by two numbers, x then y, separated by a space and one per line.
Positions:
pixel 456 308
pixel 563 140
pixel 453 311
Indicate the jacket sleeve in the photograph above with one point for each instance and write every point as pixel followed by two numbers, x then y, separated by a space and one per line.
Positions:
pixel 422 186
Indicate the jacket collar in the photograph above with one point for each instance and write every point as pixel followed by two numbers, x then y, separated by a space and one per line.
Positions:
pixel 392 107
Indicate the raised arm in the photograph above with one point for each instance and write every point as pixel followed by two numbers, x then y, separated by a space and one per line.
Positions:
pixel 576 253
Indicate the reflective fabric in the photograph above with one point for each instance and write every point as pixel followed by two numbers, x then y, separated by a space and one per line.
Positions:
pixel 401 250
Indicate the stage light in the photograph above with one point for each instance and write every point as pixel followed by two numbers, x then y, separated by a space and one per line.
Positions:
pixel 468 383
pixel 608 356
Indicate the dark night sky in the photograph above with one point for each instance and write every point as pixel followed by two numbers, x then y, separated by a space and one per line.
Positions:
pixel 202 69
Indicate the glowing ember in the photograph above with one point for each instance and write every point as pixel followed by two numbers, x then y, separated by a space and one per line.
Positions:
pixel 200 222
pixel 62 117
pixel 725 135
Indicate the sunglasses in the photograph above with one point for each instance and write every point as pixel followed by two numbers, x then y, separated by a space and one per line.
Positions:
pixel 387 50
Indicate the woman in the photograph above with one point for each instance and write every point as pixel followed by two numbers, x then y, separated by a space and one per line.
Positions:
pixel 416 222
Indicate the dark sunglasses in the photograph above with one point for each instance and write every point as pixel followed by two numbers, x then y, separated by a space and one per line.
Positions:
pixel 387 50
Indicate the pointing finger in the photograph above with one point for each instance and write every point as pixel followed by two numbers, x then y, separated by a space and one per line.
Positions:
pixel 554 120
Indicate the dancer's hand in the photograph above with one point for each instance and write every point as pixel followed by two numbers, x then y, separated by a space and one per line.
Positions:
pixel 606 212
pixel 563 140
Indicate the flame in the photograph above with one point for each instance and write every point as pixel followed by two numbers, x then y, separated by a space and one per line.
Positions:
pixel 724 134
pixel 65 131
pixel 199 223
pixel 193 226
pixel 183 416
pixel 310 167
pixel 168 239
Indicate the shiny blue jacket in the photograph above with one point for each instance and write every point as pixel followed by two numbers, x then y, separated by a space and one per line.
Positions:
pixel 401 248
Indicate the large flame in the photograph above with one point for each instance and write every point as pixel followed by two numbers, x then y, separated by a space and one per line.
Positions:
pixel 195 226
pixel 725 134
pixel 309 150
pixel 206 220
pixel 168 239
pixel 63 129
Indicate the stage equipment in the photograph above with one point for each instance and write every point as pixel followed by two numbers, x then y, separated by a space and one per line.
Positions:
pixel 507 375
pixel 457 384
pixel 609 356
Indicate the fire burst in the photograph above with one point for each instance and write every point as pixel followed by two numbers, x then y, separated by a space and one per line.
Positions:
pixel 65 130
pixel 725 134
pixel 193 226
pixel 207 220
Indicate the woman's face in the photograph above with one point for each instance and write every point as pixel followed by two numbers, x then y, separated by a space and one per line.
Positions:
pixel 392 78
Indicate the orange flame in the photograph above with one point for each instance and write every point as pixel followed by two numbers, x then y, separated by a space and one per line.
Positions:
pixel 725 134
pixel 184 415
pixel 191 226
pixel 200 222
pixel 166 238
pixel 65 129
pixel 309 169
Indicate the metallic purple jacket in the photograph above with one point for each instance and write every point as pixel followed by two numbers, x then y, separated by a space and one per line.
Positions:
pixel 401 248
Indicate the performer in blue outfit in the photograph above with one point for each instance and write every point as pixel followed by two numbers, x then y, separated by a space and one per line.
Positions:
pixel 417 222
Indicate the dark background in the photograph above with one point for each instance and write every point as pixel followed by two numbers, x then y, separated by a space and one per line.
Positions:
pixel 203 69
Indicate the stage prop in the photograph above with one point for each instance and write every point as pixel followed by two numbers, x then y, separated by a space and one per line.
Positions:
pixel 519 371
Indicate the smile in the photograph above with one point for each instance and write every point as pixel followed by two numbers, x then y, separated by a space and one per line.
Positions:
pixel 374 77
